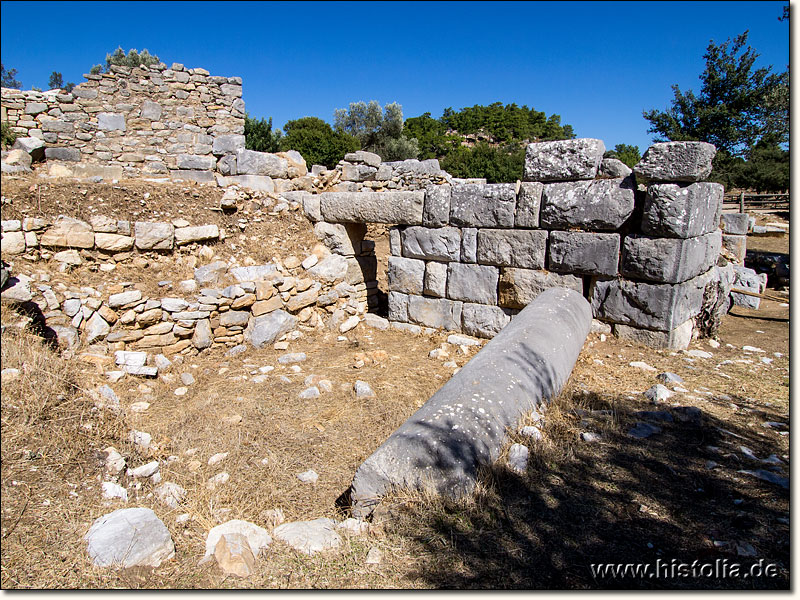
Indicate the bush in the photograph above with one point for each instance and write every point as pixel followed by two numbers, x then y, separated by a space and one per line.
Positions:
pixel 8 136
pixel 377 130
pixel 317 141
pixel 259 136
pixel 496 165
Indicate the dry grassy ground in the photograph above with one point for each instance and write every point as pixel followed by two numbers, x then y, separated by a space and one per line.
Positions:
pixel 618 500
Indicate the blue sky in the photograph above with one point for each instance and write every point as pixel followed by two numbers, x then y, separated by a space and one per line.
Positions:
pixel 597 64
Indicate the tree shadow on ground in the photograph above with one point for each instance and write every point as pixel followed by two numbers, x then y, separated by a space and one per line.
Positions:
pixel 621 500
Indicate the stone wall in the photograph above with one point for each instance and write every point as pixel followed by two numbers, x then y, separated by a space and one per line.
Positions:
pixel 642 247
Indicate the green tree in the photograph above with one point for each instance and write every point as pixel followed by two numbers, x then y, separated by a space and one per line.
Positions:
pixel 132 59
pixel 628 154
pixel 8 78
pixel 258 135
pixel 317 141
pixel 431 136
pixel 495 164
pixel 56 81
pixel 377 130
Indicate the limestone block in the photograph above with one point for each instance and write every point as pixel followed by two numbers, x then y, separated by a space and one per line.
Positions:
pixel 442 243
pixel 512 248
pixel 469 245
pixel 395 243
pixel 187 235
pixel 110 122
pixel 672 210
pixel 483 205
pixel 338 238
pixel 227 144
pixel 113 242
pixel 368 158
pixel 57 126
pixel 675 339
pixel 34 108
pixel 669 260
pixel 435 312
pixel 358 173
pixel 734 223
pixel 563 160
pixel 154 236
pixel 736 245
pixel 71 154
pixel 69 233
pixel 400 208
pixel 435 283
pixel 297 164
pixel 398 307
pixel 614 168
pixel 437 205
pixel 519 287
pixel 472 283
pixel 264 330
pixel 480 320
pixel 582 252
pixel 33 146
pixel 529 201
pixel 195 161
pixel 13 242
pixel 601 204
pixel 250 162
pixel 151 110
pixel 675 161
pixel 406 275
pixel 251 182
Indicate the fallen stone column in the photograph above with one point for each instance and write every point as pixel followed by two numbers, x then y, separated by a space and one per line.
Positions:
pixel 463 425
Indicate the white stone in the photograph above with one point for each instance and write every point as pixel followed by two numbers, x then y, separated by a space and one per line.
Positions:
pixel 129 537
pixel 309 476
pixel 257 537
pixel 114 490
pixel 309 537
pixel 217 458
pixel 518 458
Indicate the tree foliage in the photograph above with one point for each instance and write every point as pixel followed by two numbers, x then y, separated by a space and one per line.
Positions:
pixel 495 164
pixel 133 58
pixel 259 135
pixel 377 130
pixel 317 141
pixel 739 108
pixel 628 154
pixel 507 123
pixel 56 81
pixel 8 78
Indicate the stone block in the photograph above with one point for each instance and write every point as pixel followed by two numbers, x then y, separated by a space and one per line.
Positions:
pixel 437 205
pixel 512 248
pixel 264 330
pixel 487 205
pixel 251 273
pixel 480 320
pixel 563 160
pixel 406 275
pixel 110 122
pixel 672 210
pixel 675 339
pixel 69 233
pixel 435 283
pixel 195 161
pixel 439 313
pixel 441 243
pixel 187 235
pixel 227 144
pixel 31 145
pixel 529 202
pixel 600 205
pixel 113 242
pixel 154 236
pixel 736 246
pixel 748 279
pixel 675 161
pixel 368 158
pixel 519 287
pixel 614 168
pixel 582 252
pixel 197 176
pixel 397 208
pixel 472 283
pixel 84 93
pixel 71 154
pixel 57 126
pixel 13 242
pixel 250 162
pixel 398 307
pixel 395 243
pixel 469 245
pixel 260 183
pixel 34 108
pixel 358 173
pixel 151 110
pixel 669 260
pixel 337 238
pixel 734 223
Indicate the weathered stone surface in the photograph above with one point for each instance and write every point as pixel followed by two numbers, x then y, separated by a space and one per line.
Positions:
pixel 676 339
pixel 154 236
pixel 250 162
pixel 251 182
pixel 435 279
pixel 31 145
pixel 442 446
pixel 401 208
pixel 406 275
pixel 483 205
pixel 16 289
pixel 480 320
pixel 151 110
pixel 196 161
pixel 129 537
pixel 563 160
pixel 103 224
pixel 437 205
pixel 234 317
pixel 227 144
pixel 252 273
pixel 113 242
pixel 210 274
pixel 672 210
pixel 309 537
pixel 581 252
pixel 748 279
pixel 187 235
pixel 71 154
pixel 614 168
pixel 398 307
pixel 435 312
pixel 337 238
pixel 736 246
pixel 68 257
pixel 13 242
pixel 303 299
pixel 442 243
pixel 202 336
pixel 675 161
pixel 257 537
pixel 362 156
pixel 69 233
pixel 661 306
pixel 512 248
pixel 529 202
pixel 358 173
pixel 472 283
pixel 110 122
pixel 734 223
pixel 600 205
pixel 330 269
pixel 469 245
pixel 669 260
pixel 264 330
pixel 519 287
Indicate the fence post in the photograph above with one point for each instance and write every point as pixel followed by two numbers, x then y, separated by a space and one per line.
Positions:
pixel 741 202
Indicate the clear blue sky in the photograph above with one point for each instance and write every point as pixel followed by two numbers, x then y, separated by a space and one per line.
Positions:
pixel 597 64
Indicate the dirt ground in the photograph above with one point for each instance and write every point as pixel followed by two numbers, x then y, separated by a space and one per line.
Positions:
pixel 679 495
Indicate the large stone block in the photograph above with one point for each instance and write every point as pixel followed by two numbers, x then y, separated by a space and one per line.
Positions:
pixel 398 208
pixel 480 320
pixel 339 238
pixel 151 110
pixel 469 245
pixel 435 279
pixel 196 161
pixel 519 287
pixel 672 210
pixel 734 223
pixel 563 160
pixel 661 306
pixel 483 205
pixel 442 243
pixel 437 205
pixel 675 339
pixel 512 248
pixel 669 260
pixel 406 275
pixel 154 236
pixel 260 183
pixel 358 173
pixel 435 312
pixel 582 252
pixel 227 144
pixel 675 161
pixel 472 283
pixel 736 247
pixel 71 154
pixel 31 145
pixel 748 279
pixel 398 307
pixel 13 242
pixel 250 162
pixel 368 158
pixel 113 242
pixel 529 202
pixel 68 233
pixel 110 122
pixel 264 330
pixel 601 204
pixel 199 233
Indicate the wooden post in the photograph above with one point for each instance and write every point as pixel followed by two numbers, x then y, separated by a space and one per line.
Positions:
pixel 741 202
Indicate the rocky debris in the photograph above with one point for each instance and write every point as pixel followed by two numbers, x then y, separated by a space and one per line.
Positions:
pixel 363 390
pixel 518 458
pixel 144 471
pixel 170 494
pixel 129 537
pixel 309 537
pixel 113 490
pixel 309 476
pixel 235 545
pixel 643 430
pixel 141 439
pixel 658 393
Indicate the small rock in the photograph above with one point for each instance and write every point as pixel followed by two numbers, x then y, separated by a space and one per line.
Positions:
pixel 181 391
pixel 113 490
pixel 141 439
pixel 114 463
pixel 713 343
pixel 187 378
pixel 292 357
pixel 349 324
pixel 273 516
pixel 699 354
pixel 129 537
pixel 588 436
pixel 668 377
pixel 751 349
pixel 234 556
pixel 217 458
pixel 643 430
pixel 170 494
pixel 363 390
pixel 374 557
pixel 638 364
pixel 309 537
pixel 532 432
pixel 257 537
pixel 658 393
pixel 217 480
pixel 518 458
pixel 139 407
pixel 308 393
pixel 147 470
pixel 309 476
pixel 768 476
pixel 354 526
